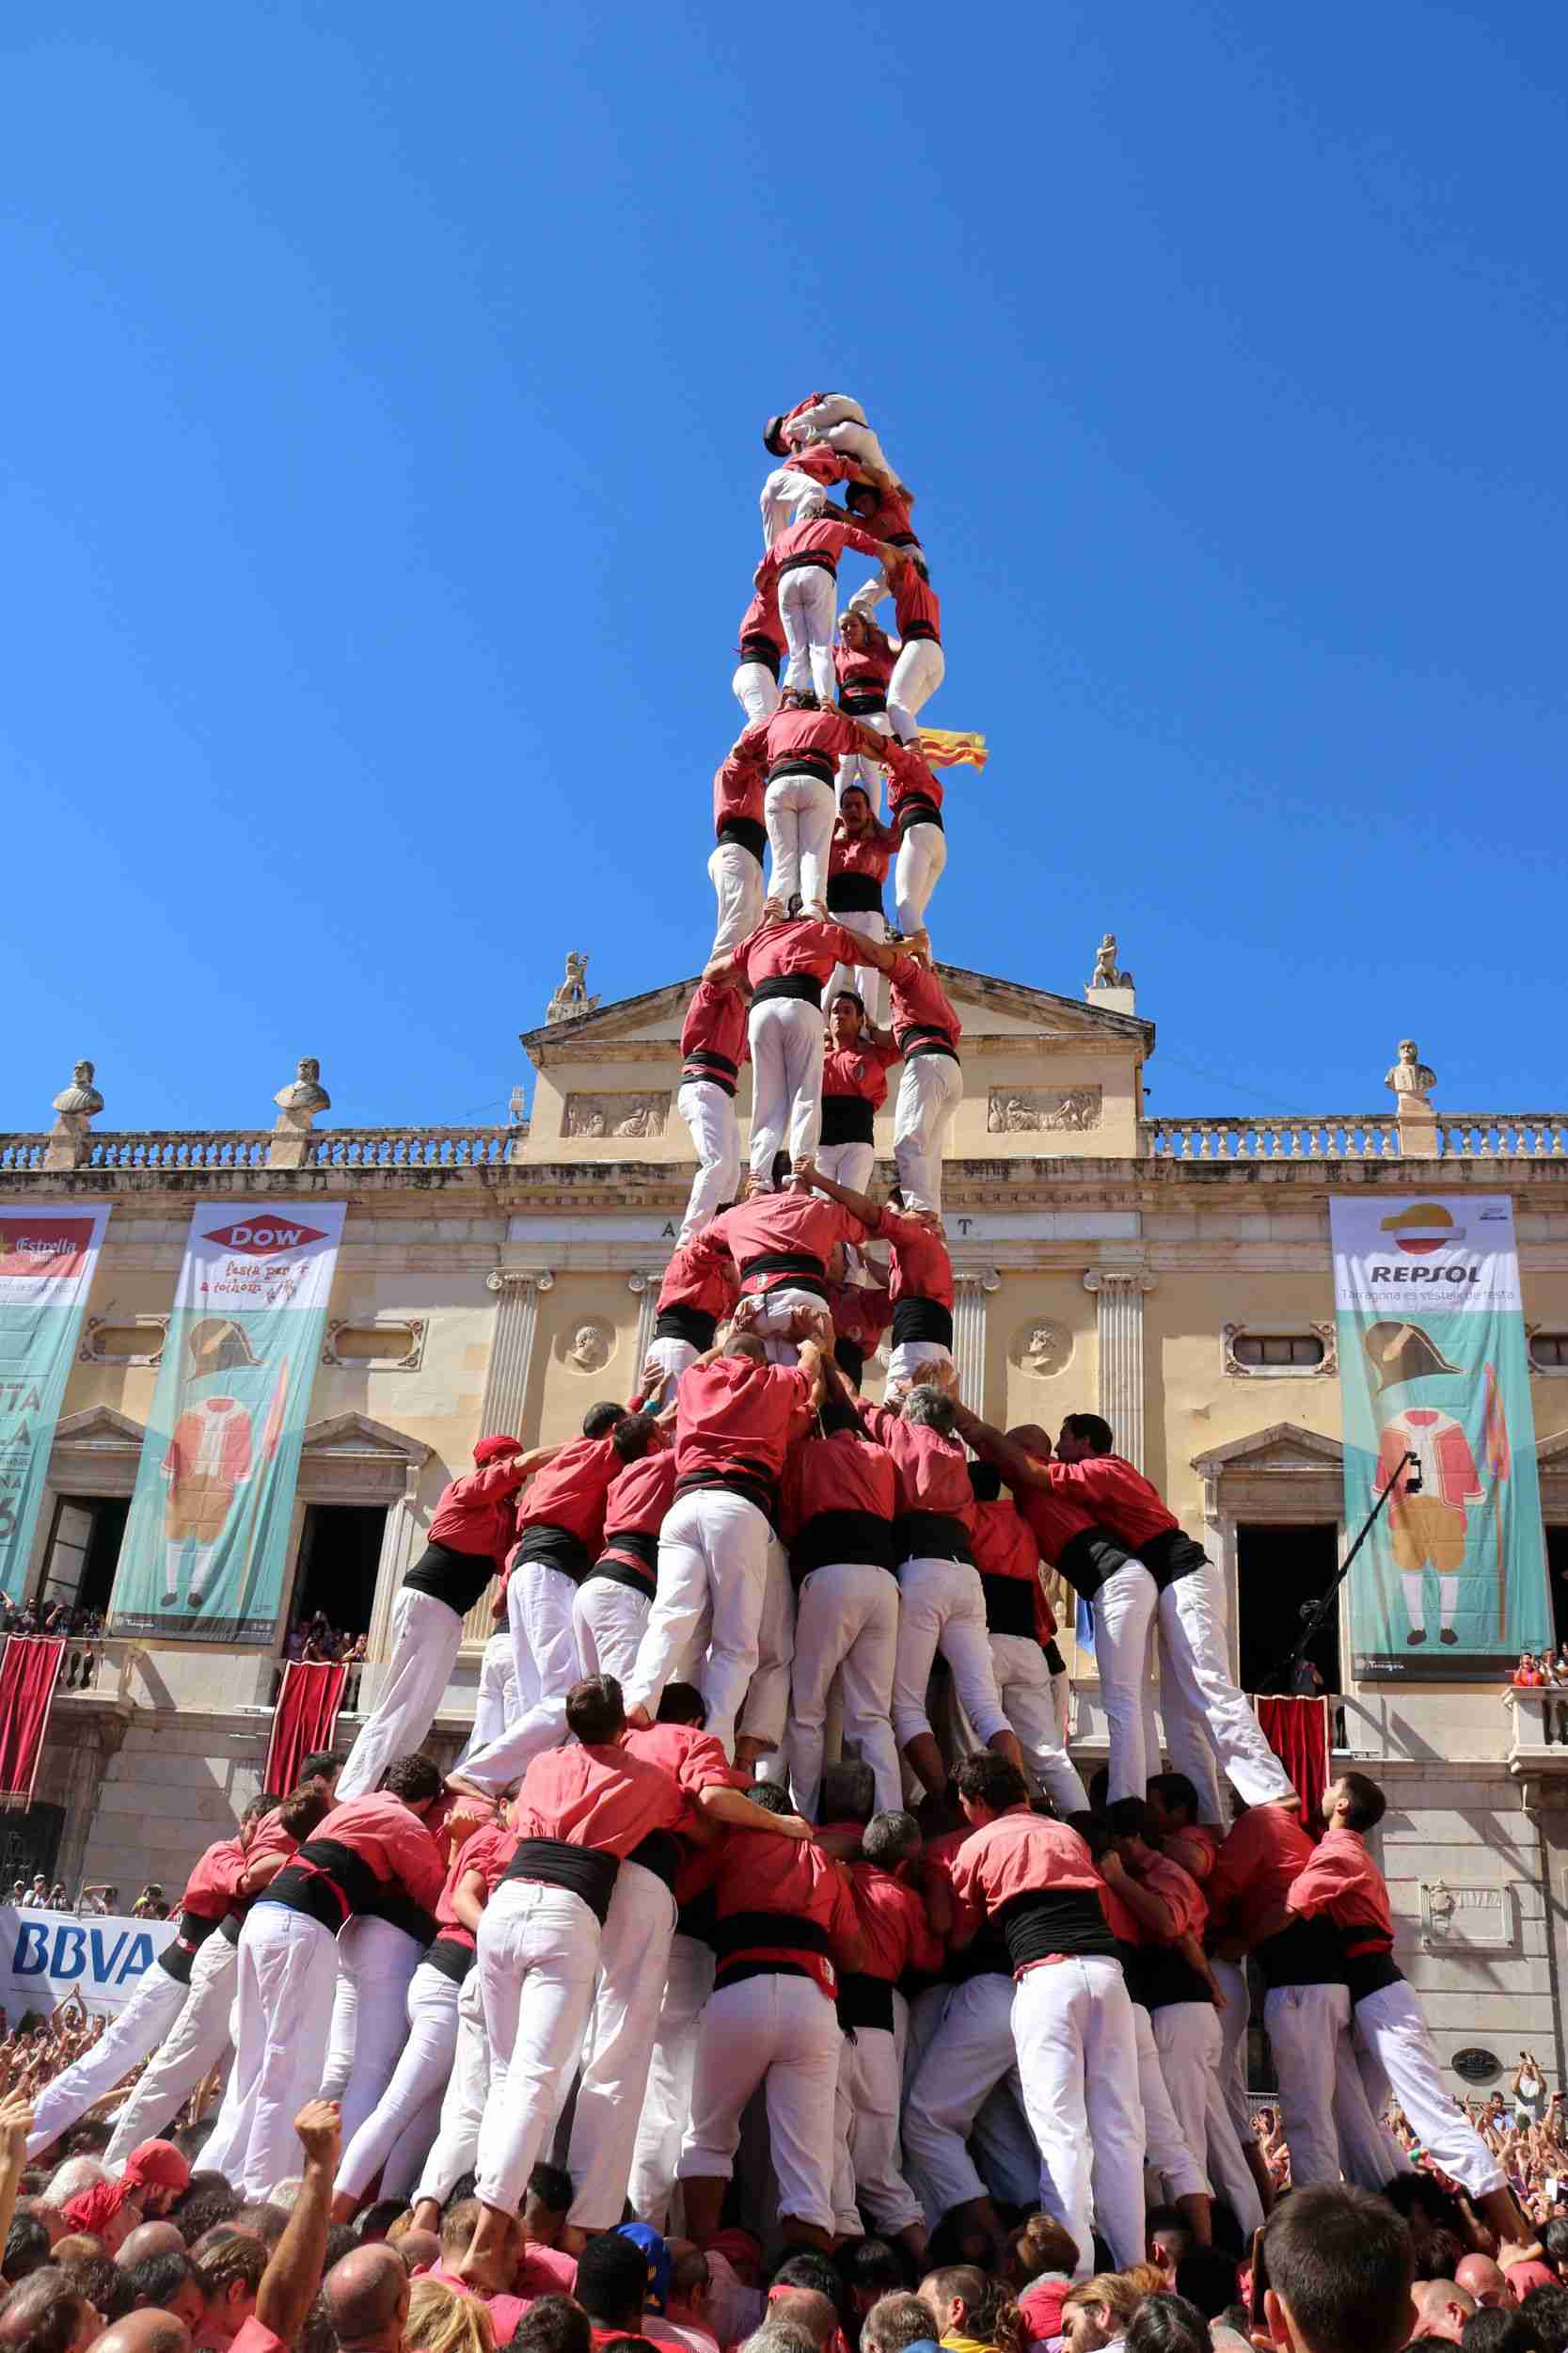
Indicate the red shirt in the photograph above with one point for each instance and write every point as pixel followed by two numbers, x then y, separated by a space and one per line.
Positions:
pixel 504 2311
pixel 857 1071
pixel 734 1416
pixel 790 737
pixel 794 1879
pixel 1021 1854
pixel 1196 1847
pixel 475 1513
pixel 890 518
pixel 1001 1543
pixel 394 1841
pixel 914 601
pixel 694 1759
pixel 932 1471
pixel 213 1886
pixel 897 1934
pixel 700 1274
pixel 738 782
pixel 860 1312
pixel 822 538
pixel 858 854
pixel 1053 1521
pixel 714 1025
pixel 801 1222
pixel 908 782
pixel 822 462
pixel 1341 1878
pixel 918 1001
pixel 863 671
pixel 797 947
pixel 640 1497
pixel 570 1492
pixel 761 616
pixel 1262 1856
pixel 1120 1498
pixel 1180 1894
pixel 921 1268
pixel 844 1472
pixel 486 1850
pixel 603 1798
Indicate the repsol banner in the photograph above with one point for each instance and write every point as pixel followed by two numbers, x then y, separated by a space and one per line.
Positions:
pixel 46 1955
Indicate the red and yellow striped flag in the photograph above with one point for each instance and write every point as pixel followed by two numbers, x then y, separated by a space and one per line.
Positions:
pixel 952 747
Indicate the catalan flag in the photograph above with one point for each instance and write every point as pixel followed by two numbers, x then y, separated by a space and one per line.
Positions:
pixel 954 747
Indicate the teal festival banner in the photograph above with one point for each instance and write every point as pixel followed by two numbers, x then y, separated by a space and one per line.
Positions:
pixel 48 1258
pixel 1433 1365
pixel 206 1543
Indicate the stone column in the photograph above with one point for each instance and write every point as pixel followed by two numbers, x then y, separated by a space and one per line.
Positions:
pixel 506 1375
pixel 644 1286
pixel 971 1288
pixel 1119 1297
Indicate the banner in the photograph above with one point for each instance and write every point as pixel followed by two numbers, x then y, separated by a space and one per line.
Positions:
pixel 1432 1363
pixel 48 1257
pixel 208 1532
pixel 46 1955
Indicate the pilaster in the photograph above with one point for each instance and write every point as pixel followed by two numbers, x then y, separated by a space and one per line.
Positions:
pixel 971 1288
pixel 506 1376
pixel 1119 1304
pixel 644 1285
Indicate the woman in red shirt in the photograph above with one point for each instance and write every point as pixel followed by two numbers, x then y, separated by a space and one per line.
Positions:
pixel 862 664
pixel 858 857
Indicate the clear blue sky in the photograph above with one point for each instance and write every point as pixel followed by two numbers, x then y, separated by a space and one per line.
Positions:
pixel 382 406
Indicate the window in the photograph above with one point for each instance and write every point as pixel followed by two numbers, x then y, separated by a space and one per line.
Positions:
pixel 393 1345
pixel 1548 1351
pixel 340 1551
pixel 83 1549
pixel 1308 1348
pixel 1280 1573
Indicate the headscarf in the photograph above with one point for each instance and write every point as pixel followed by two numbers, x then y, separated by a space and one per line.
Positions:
pixel 156 2165
pixel 658 2255
pixel 93 2209
pixel 492 1448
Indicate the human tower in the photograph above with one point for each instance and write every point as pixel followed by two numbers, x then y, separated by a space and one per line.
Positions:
pixel 646 1885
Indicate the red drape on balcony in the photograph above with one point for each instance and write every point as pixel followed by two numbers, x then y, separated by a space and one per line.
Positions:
pixel 305 1717
pixel 28 1666
pixel 1297 1731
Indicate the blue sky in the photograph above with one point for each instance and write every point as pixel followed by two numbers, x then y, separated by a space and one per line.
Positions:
pixel 382 417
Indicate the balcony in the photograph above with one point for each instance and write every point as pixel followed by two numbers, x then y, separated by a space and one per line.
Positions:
pixel 1538 1743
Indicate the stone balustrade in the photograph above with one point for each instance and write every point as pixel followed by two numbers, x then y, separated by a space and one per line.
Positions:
pixel 414 1147
pixel 262 1148
pixel 1351 1136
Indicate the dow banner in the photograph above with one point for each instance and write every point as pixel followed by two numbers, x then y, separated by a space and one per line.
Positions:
pixel 1433 1365
pixel 208 1535
pixel 47 1260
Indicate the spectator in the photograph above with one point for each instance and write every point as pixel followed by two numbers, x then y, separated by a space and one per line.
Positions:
pixel 444 2319
pixel 168 2283
pixel 896 2323
pixel 232 2264
pixel 367 2298
pixel 1492 2329
pixel 1340 2266
pixel 556 2324
pixel 1098 2311
pixel 1168 2324
pixel 47 2314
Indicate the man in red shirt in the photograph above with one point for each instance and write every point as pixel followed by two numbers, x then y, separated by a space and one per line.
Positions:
pixel 1072 2019
pixel 886 514
pixel 800 748
pixel 858 857
pixel 761 650
pixel 469 1537
pixel 920 1285
pixel 1008 1562
pixel 921 664
pixel 484 1858
pixel 786 1248
pixel 915 796
pixel 610 1614
pixel 806 559
pixel 854 1089
pixel 713 1047
pixel 925 1030
pixel 736 1416
pixel 830 416
pixel 697 1292
pixel 899 1939
pixel 739 835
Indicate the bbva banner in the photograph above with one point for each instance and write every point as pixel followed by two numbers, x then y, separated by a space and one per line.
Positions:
pixel 46 1955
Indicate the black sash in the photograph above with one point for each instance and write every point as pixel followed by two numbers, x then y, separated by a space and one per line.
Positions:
pixel 751 1483
pixel 182 1949
pixel 755 647
pixel 1368 1962
pixel 918 810
pixel 658 1852
pixel 609 1571
pixel 1171 1554
pixel 865 2001
pixel 854 894
pixel 548 1547
pixel 815 764
pixel 582 1870
pixel 862 702
pixel 930 1536
pixel 917 630
pixel 784 1931
pixel 805 986
pixel 1167 1979
pixel 1056 1664
pixel 693 1325
pixel 1059 1920
pixel 393 1904
pixel 715 1069
pixel 924 1038
pixel 1306 1953
pixel 802 1270
pixel 1009 1603
pixel 747 832
pixel 452 1958
pixel 800 564
pixel 326 1881
pixel 848 1120
pixel 922 1319
pixel 456 1579
pixel 828 1538
pixel 1088 1558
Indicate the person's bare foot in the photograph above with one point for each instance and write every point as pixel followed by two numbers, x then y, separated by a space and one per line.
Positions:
pixel 748 1749
pixel 460 1788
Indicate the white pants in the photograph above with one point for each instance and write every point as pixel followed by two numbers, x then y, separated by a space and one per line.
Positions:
pixel 1078 2059
pixel 916 676
pixel 538 1953
pixel 1166 2147
pixel 929 1092
pixel 667 2101
pixel 766 1711
pixel 853 766
pixel 922 855
pixel 868 981
pixel 1322 2100
pixel 1394 2053
pixel 971 2053
pixel 609 1621
pixel 634 1959
pixel 1023 1687
pixel 737 878
pixel 1187 2037
pixel 784 2031
pixel 673 1356
pixel 287 1968
pixel 943 1607
pixel 545 1663
pixel 708 1110
pixel 1234 2020
pixel 784 492
pixel 712 1579
pixel 138 2028
pixel 1123 1614
pixel 911 1362
pixel 868 2170
pixel 496 1701
pixel 773 1313
pixel 423 2066
pixel 850 434
pixel 846 1616
pixel 847 1164
pixel 808 608
pixel 787 1081
pixel 1205 1714
pixel 797 811
pixel 375 1964
pixel 426 1639
pixel 756 690
pixel 456 2141
pixel 188 2052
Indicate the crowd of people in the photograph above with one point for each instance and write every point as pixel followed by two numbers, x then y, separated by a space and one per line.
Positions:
pixel 315 1641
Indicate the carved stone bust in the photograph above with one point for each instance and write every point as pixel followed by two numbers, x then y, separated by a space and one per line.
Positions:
pixel 590 1347
pixel 304 1091
pixel 1411 1078
pixel 81 1096
pixel 1105 975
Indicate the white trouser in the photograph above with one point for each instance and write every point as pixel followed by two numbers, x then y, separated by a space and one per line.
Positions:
pixel 672 1356
pixel 922 855
pixel 846 1616
pixel 667 2101
pixel 538 1953
pixel 737 878
pixel 784 2031
pixel 766 1711
pixel 813 422
pixel 376 1964
pixel 847 1164
pixel 1023 1687
pixel 868 981
pixel 496 1701
pixel 125 2042
pixel 189 2051
pixel 855 769
pixel 1078 2062
pixel 916 676
pixel 456 2140
pixel 712 1579
pixel 1123 1614
pixel 772 1312
pixel 1187 2036
pixel 808 607
pixel 786 1080
pixel 782 493
pixel 708 1110
pixel 426 1639
pixel 610 1621
pixel 1205 1714
pixel 634 1960
pixel 911 1362
pixel 943 1607
pixel 1165 2143
pixel 423 2066
pixel 797 811
pixel 868 2170
pixel 929 1092
pixel 756 690
pixel 1394 2053
pixel 969 2054
pixel 545 1663
pixel 1234 2020
pixel 853 437
pixel 287 1968
pixel 1309 2031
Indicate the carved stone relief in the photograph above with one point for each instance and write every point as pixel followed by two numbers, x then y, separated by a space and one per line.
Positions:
pixel 1042 1111
pixel 616 1115
pixel 586 1346
pixel 391 1345
pixel 1042 1348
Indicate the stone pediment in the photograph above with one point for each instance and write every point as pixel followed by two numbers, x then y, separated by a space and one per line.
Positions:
pixel 1285 1447
pixel 1551 1453
pixel 100 1429
pixel 356 1434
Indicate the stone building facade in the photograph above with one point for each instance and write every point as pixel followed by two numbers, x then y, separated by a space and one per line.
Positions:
pixel 1172 1273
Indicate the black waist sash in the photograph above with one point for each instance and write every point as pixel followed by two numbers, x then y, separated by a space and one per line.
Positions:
pixel 658 1852
pixel 453 1957
pixel 917 810
pixel 1055 1920
pixel 1056 1664
pixel 613 1568
pixel 554 1863
pixel 393 1903
pixel 755 647
pixel 985 1956
pixel 691 1324
pixel 805 986
pixel 922 1319
pixel 548 1547
pixel 815 764
pixel 864 2001
pixel 456 1579
pixel 1171 1554
pixel 182 1948
pixel 930 1536
pixel 924 1038
pixel 1165 1979
pixel 800 1269
pixel 1367 1961
pixel 862 702
pixel 855 894
pixel 1009 1603
pixel 747 832
pixel 1308 1953
pixel 752 1482
pixel 772 1931
pixel 918 630
pixel 231 1925
pixel 326 1881
pixel 717 1069
pixel 800 564
pixel 1087 1559
pixel 848 1120
pixel 828 1538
